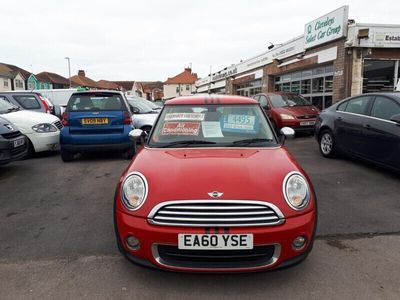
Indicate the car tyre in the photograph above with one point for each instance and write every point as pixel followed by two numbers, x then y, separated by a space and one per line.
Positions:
pixel 327 144
pixel 66 155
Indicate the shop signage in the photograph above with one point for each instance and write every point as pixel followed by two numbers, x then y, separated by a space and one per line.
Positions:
pixel 327 28
pixel 223 74
pixel 392 38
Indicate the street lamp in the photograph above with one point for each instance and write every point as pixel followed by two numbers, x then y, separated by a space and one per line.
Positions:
pixel 69 71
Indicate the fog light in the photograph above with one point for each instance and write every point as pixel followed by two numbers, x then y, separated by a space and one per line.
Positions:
pixel 299 242
pixel 132 242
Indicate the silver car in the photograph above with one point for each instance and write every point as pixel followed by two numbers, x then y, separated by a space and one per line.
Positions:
pixel 143 115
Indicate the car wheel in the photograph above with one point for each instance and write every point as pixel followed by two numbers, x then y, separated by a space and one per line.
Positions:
pixel 327 145
pixel 66 156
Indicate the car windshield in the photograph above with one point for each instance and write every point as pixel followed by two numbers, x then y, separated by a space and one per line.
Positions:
pixel 212 126
pixel 7 107
pixel 98 101
pixel 288 100
pixel 142 107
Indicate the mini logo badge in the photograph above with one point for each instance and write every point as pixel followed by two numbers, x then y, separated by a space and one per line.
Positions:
pixel 9 126
pixel 215 194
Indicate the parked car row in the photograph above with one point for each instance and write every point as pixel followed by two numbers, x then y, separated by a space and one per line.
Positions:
pixel 366 127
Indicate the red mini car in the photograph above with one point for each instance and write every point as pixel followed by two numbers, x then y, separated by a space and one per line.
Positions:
pixel 289 110
pixel 214 190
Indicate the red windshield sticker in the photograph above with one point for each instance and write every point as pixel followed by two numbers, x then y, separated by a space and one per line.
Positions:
pixel 181 128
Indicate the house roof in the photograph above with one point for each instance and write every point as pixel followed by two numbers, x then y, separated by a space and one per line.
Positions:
pixel 186 77
pixel 6 71
pixel 16 70
pixel 84 81
pixel 124 85
pixel 107 85
pixel 52 78
pixel 149 86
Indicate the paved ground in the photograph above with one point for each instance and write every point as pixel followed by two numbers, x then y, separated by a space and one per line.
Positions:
pixel 57 239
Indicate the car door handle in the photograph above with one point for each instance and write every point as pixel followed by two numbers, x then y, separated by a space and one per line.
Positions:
pixel 367 126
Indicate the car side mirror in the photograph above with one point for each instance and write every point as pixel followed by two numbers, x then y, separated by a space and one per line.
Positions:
pixel 136 134
pixel 396 118
pixel 267 107
pixel 286 133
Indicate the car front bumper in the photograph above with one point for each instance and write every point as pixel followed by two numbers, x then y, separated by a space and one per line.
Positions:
pixel 48 141
pixel 156 241
pixel 9 153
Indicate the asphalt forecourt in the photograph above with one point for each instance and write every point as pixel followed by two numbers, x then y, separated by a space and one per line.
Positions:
pixel 57 237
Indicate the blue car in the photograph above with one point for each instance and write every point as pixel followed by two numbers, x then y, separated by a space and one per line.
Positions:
pixel 96 121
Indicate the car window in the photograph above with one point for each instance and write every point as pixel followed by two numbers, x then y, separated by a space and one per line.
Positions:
pixel 384 108
pixel 212 125
pixel 141 106
pixel 4 98
pixel 102 102
pixel 288 100
pixel 263 101
pixel 342 106
pixel 357 105
pixel 6 106
pixel 27 101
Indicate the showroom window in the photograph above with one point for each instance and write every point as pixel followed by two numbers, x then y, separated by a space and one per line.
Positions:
pixel 316 85
pixel 249 89
pixel 380 75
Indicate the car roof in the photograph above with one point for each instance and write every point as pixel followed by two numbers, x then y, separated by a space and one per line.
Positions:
pixel 278 93
pixel 210 99
pixel 97 92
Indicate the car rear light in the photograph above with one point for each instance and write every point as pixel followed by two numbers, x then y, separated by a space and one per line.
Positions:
pixel 64 119
pixel 46 107
pixel 127 118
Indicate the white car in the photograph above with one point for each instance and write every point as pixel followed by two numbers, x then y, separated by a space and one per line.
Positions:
pixel 41 129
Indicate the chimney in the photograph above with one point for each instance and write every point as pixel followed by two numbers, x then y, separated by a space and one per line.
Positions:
pixel 188 70
pixel 81 73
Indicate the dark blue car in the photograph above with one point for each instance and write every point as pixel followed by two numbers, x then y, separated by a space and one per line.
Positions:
pixel 96 121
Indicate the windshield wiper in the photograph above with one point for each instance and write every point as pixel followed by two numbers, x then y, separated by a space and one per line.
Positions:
pixel 13 109
pixel 188 142
pixel 250 141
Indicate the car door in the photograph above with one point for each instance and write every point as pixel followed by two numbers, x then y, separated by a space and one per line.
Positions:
pixel 383 135
pixel 349 125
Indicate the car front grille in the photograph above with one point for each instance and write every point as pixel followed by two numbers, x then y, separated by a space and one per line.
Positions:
pixel 58 124
pixel 18 150
pixel 11 135
pixel 216 213
pixel 307 117
pixel 216 259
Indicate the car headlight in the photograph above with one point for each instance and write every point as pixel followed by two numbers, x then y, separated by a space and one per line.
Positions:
pixel 45 127
pixel 296 191
pixel 287 117
pixel 134 191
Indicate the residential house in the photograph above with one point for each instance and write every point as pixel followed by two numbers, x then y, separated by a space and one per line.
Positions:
pixel 54 80
pixel 182 84
pixel 32 83
pixel 83 81
pixel 130 88
pixel 107 85
pixel 153 90
pixel 20 77
pixel 10 80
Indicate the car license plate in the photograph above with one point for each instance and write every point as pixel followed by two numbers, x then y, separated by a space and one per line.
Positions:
pixel 94 121
pixel 19 142
pixel 215 241
pixel 307 123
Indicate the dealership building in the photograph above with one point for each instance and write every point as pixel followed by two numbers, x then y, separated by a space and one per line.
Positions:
pixel 335 58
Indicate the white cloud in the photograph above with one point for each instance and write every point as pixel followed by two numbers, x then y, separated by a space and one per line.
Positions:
pixel 153 40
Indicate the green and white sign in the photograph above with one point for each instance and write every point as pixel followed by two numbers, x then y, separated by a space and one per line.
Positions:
pixel 327 28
